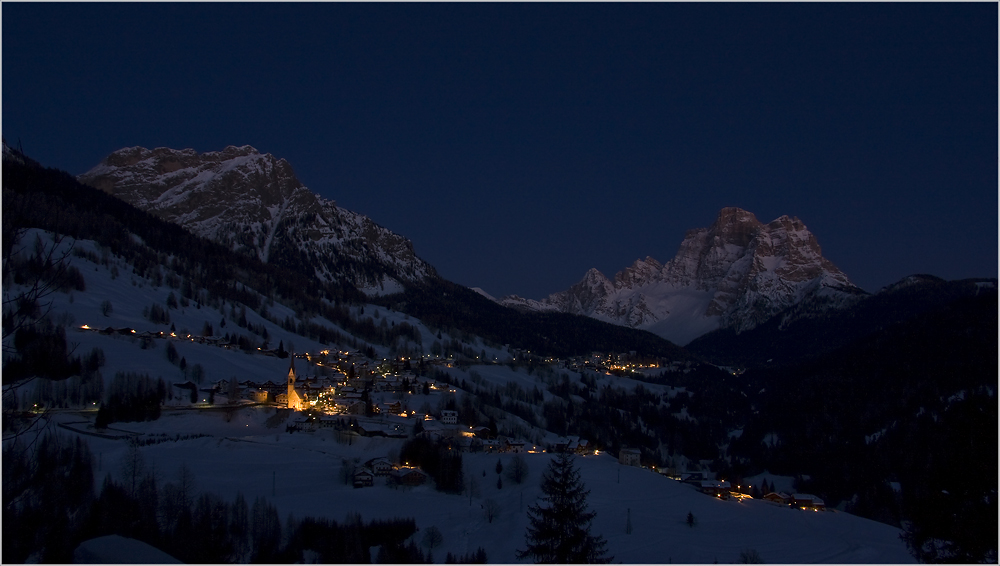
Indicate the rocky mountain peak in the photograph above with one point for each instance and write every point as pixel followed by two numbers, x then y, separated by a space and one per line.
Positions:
pixel 254 203
pixel 733 226
pixel 736 273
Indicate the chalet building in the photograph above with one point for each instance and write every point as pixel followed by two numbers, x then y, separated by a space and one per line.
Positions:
pixel 351 406
pixel 380 466
pixel 303 423
pixel 628 457
pixel 257 395
pixel 513 445
pixel 364 478
pixel 392 430
pixel 713 487
pixel 410 476
pixel 449 417
pixel 571 444
pixel 694 478
pixel 781 498
pixel 807 501
pixel 483 432
pixel 392 408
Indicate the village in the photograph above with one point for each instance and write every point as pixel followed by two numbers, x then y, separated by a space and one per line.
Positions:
pixel 357 396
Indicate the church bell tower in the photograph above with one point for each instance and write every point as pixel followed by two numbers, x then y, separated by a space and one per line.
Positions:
pixel 294 402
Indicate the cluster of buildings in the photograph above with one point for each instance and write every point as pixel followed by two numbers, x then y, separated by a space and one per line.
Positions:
pixel 723 489
pixel 382 467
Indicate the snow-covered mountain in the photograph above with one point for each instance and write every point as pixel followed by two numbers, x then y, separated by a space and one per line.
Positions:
pixel 737 273
pixel 253 203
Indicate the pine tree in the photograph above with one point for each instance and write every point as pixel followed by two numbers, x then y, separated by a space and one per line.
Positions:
pixel 559 529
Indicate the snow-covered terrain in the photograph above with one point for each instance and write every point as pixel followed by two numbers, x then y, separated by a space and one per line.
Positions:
pixel 232 452
pixel 300 474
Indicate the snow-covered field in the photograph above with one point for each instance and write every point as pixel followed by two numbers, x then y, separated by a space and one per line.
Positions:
pixel 300 474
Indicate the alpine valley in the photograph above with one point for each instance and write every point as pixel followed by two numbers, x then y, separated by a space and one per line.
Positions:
pixel 205 361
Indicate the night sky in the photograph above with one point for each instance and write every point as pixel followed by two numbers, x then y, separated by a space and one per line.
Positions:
pixel 519 145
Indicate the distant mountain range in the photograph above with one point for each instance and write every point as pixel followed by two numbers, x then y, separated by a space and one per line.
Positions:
pixel 253 203
pixel 725 281
pixel 735 274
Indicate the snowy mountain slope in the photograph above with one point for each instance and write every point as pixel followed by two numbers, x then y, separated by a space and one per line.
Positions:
pixel 129 295
pixel 737 273
pixel 245 455
pixel 253 203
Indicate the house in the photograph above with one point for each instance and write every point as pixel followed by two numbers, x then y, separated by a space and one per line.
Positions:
pixel 352 407
pixel 513 445
pixel 483 432
pixel 807 501
pixel 780 498
pixel 694 478
pixel 380 466
pixel 713 487
pixel 257 395
pixel 410 476
pixel 303 423
pixel 364 478
pixel 391 408
pixel 449 417
pixel 370 429
pixel 628 457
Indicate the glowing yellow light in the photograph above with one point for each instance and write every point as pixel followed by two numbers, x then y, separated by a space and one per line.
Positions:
pixel 85 326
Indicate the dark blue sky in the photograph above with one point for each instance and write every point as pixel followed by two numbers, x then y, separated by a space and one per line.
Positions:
pixel 519 145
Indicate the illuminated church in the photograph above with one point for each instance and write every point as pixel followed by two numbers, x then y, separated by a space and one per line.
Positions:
pixel 294 400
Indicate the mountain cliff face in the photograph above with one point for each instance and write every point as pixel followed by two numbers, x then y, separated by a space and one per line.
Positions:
pixel 253 203
pixel 737 273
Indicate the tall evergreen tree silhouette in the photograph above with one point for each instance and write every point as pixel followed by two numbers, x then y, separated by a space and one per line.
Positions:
pixel 559 529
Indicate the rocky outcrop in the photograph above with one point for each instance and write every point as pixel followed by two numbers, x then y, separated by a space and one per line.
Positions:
pixel 737 273
pixel 253 203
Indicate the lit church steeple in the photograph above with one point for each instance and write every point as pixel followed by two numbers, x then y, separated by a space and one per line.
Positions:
pixel 294 401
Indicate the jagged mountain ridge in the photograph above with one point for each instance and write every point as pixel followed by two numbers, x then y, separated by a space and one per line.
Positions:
pixel 253 203
pixel 737 273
